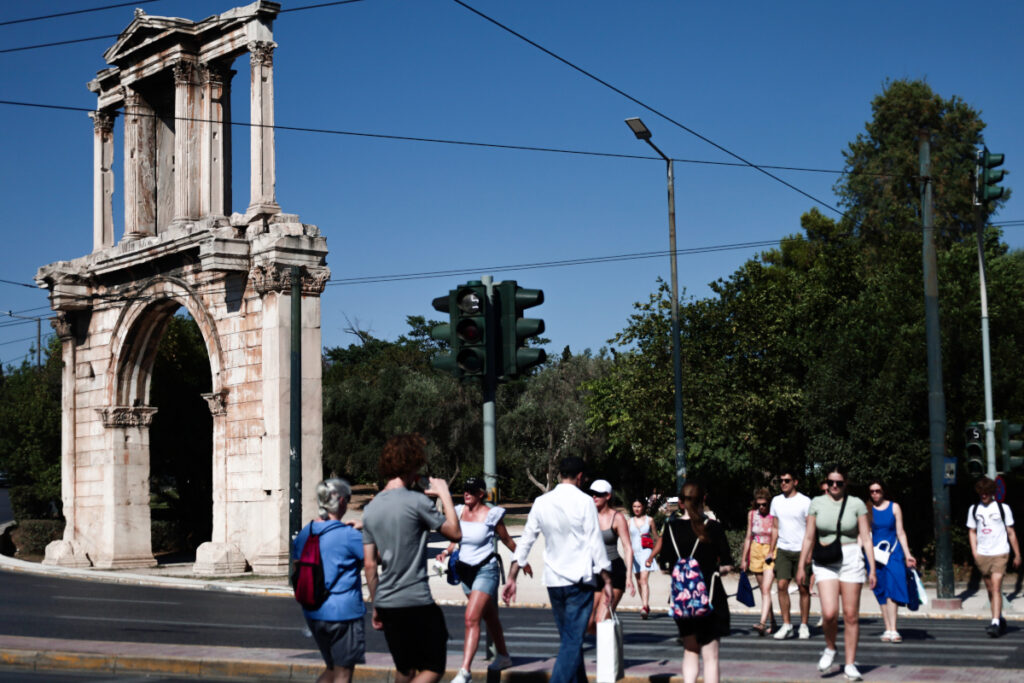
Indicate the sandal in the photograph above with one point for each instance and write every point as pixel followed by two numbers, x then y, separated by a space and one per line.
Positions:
pixel 760 629
pixel 645 612
pixel 895 637
pixel 887 637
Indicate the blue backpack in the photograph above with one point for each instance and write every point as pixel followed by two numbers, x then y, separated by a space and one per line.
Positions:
pixel 691 597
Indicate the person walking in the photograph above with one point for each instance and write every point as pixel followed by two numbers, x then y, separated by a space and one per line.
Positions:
pixel 642 538
pixel 693 534
pixel 789 525
pixel 838 518
pixel 573 553
pixel 337 625
pixel 395 528
pixel 990 530
pixel 614 529
pixel 756 559
pixel 478 568
pixel 891 589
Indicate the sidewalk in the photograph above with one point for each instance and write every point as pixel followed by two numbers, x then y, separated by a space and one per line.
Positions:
pixel 284 664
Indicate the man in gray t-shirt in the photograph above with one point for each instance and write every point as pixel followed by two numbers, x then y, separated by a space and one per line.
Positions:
pixel 395 528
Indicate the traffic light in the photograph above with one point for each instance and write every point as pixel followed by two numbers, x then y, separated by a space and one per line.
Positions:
pixel 516 357
pixel 974 451
pixel 1011 445
pixel 469 318
pixel 443 332
pixel 987 177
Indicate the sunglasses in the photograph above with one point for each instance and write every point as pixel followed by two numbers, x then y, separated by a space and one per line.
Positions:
pixel 595 494
pixel 874 490
pixel 786 480
pixel 762 505
pixel 838 483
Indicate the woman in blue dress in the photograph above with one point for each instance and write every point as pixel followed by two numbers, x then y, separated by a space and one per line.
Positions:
pixel 887 526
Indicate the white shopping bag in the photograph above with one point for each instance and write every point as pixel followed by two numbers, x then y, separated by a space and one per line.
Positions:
pixel 609 650
pixel 921 594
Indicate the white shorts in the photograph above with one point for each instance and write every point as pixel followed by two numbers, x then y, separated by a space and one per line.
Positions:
pixel 852 570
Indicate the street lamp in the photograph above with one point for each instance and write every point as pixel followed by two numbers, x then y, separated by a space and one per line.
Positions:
pixel 643 133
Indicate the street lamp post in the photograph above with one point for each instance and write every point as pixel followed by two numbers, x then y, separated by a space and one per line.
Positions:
pixel 643 133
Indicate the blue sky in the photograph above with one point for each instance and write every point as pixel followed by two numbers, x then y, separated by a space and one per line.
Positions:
pixel 783 83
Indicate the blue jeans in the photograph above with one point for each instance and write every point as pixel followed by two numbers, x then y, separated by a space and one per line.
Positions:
pixel 571 606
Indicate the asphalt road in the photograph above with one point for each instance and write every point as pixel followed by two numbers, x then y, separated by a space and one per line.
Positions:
pixel 68 609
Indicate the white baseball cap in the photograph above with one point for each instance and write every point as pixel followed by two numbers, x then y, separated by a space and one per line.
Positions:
pixel 601 486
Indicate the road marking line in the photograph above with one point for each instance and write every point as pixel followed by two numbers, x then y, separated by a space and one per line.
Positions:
pixel 138 602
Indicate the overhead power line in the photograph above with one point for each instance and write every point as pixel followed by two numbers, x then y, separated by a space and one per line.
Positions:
pixel 649 108
pixel 76 11
pixel 72 41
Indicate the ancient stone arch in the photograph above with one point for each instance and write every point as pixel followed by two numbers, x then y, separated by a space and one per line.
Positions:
pixel 171 78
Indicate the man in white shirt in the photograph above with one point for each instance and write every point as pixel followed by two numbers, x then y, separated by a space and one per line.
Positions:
pixel 789 524
pixel 990 528
pixel 573 553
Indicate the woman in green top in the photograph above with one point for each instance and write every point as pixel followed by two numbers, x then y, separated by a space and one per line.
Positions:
pixel 844 577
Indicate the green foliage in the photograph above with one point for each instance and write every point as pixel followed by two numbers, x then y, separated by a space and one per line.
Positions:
pixel 181 438
pixel 31 536
pixel 30 411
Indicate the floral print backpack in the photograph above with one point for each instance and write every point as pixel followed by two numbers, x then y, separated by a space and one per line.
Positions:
pixel 691 597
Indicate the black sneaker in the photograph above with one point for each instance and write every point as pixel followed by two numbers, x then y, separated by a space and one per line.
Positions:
pixel 993 630
pixel 1002 626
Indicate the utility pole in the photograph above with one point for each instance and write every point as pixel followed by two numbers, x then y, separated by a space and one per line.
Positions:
pixel 936 397
pixel 490 390
pixel 986 355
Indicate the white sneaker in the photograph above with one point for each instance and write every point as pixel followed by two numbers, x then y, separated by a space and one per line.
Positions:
pixel 462 677
pixel 783 632
pixel 804 632
pixel 827 657
pixel 821 620
pixel 793 588
pixel 500 662
pixel 852 674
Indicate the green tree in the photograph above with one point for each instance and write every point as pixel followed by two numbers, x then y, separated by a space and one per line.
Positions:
pixel 30 415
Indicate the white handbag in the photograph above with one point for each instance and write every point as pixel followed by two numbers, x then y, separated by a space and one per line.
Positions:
pixel 610 666
pixel 882 552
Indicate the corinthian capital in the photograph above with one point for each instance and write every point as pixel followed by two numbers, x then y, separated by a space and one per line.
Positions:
pixel 127 416
pixel 183 72
pixel 261 52
pixel 102 122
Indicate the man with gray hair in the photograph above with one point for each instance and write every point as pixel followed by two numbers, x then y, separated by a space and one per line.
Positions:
pixel 337 625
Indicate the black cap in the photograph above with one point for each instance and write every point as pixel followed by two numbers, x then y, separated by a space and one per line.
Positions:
pixel 474 484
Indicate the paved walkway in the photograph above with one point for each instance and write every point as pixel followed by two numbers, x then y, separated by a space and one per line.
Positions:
pixel 282 664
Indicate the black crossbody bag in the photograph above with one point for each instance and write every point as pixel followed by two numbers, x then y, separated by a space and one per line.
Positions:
pixel 833 552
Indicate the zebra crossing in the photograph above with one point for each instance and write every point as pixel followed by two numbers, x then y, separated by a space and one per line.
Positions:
pixel 926 642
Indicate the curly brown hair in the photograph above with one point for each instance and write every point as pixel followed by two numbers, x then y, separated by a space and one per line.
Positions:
pixel 402 454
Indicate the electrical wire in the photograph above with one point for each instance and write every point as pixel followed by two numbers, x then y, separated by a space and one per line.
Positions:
pixel 77 11
pixel 650 108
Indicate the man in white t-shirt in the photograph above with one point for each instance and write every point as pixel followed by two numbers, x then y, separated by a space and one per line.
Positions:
pixel 990 528
pixel 789 525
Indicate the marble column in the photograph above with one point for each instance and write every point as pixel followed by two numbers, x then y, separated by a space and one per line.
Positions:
pixel 261 134
pixel 139 167
pixel 102 179
pixel 187 165
pixel 215 140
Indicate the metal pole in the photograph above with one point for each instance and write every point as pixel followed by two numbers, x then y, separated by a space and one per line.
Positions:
pixel 295 402
pixel 39 343
pixel 677 370
pixel 490 386
pixel 986 357
pixel 936 397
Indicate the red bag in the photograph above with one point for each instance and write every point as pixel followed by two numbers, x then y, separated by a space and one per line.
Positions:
pixel 308 573
pixel 646 541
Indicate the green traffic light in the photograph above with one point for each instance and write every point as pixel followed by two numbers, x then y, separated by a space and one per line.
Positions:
pixel 988 178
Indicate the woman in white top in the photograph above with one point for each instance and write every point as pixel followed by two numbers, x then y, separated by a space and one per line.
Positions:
pixel 642 537
pixel 477 567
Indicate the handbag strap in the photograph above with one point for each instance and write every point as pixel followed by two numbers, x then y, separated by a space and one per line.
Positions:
pixel 839 520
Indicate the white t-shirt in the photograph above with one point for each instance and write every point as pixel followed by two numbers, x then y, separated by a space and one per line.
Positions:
pixel 986 520
pixel 792 515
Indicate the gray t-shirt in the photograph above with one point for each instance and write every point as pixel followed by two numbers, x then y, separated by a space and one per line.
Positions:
pixel 398 521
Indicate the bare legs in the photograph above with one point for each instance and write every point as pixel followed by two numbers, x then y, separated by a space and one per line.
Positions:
pixel 805 601
pixel 764 582
pixel 481 605
pixel 889 615
pixel 994 584
pixel 693 653
pixel 829 593
pixel 643 578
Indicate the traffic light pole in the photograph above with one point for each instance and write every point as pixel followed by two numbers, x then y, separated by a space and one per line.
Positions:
pixel 490 389
pixel 936 397
pixel 986 356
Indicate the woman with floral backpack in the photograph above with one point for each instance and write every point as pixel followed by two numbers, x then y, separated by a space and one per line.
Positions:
pixel 692 536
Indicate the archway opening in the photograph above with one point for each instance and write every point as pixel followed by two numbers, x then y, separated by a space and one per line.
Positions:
pixel 181 443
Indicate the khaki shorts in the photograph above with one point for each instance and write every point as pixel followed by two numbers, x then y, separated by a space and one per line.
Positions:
pixel 992 564
pixel 786 562
pixel 758 552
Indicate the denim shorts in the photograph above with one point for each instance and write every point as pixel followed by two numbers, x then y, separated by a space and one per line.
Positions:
pixel 486 579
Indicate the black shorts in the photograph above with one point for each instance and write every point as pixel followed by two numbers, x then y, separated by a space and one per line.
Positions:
pixel 417 638
pixel 341 643
pixel 618 573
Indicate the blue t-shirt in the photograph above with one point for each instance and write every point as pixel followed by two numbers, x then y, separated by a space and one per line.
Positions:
pixel 341 551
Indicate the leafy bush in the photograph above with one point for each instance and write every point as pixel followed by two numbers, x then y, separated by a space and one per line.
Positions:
pixel 31 536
